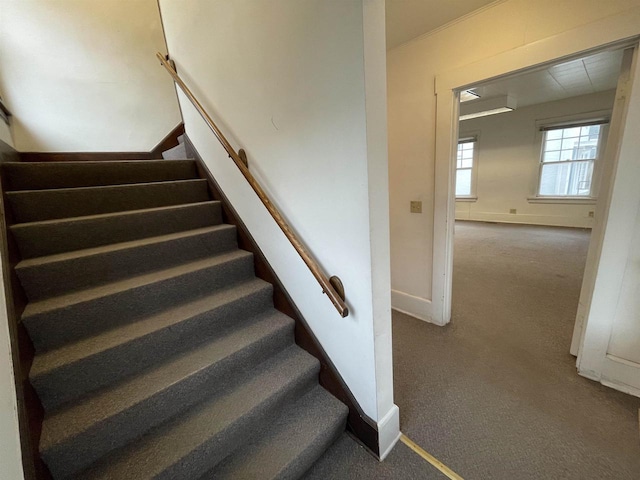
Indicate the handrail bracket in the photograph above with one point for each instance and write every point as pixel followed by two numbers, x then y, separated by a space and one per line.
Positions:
pixel 336 283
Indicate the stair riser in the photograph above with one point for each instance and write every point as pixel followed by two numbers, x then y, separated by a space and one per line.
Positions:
pixel 48 280
pixel 212 452
pixel 302 432
pixel 79 452
pixel 55 328
pixel 26 176
pixel 303 462
pixel 71 381
pixel 36 240
pixel 39 205
pixel 204 364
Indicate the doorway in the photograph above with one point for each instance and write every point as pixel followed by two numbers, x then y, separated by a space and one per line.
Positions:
pixel 528 171
pixel 502 391
pixel 447 145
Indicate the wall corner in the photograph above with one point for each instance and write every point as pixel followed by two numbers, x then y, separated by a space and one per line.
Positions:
pixel 389 431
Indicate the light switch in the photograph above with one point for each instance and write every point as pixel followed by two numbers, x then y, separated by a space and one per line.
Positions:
pixel 416 207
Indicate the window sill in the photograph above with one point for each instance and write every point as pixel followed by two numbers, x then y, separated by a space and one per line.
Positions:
pixel 466 199
pixel 565 200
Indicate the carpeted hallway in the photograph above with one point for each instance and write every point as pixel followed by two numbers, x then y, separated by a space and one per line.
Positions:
pixel 495 394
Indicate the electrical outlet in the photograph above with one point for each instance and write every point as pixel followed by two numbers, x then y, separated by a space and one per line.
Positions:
pixel 416 207
pixel 513 210
pixel 591 214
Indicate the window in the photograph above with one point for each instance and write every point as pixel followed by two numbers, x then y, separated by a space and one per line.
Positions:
pixel 465 165
pixel 568 157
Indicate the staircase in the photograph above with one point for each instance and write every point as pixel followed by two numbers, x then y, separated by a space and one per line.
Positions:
pixel 159 353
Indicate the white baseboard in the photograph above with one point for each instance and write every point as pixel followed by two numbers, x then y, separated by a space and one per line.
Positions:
pixel 389 431
pixel 614 383
pixel 591 375
pixel 621 387
pixel 528 219
pixel 417 307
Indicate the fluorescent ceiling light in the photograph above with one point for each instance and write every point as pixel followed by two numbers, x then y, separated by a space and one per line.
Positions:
pixel 489 106
pixel 486 113
pixel 467 95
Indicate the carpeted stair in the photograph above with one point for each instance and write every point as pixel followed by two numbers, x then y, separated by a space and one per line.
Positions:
pixel 159 353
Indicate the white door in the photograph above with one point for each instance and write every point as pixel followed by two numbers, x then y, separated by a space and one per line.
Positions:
pixel 609 347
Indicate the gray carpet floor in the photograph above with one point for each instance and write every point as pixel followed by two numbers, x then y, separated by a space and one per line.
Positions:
pixel 495 394
pixel 347 460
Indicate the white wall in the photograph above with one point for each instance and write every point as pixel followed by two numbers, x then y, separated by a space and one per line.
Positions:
pixel 300 86
pixel 10 456
pixel 491 39
pixel 509 147
pixel 82 76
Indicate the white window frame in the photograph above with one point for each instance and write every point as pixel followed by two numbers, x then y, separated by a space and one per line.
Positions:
pixel 543 128
pixel 468 138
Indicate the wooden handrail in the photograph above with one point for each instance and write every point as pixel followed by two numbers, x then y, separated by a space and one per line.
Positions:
pixel 4 112
pixel 329 286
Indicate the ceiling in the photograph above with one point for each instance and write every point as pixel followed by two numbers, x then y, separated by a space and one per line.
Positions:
pixel 407 19
pixel 595 73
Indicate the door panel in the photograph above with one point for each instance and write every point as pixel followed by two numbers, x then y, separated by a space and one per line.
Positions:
pixel 610 342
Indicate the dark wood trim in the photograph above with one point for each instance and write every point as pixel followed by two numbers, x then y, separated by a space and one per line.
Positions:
pixel 358 423
pixel 84 156
pixel 30 411
pixel 170 141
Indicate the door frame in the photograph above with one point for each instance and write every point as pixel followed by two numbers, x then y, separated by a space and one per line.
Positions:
pixel 611 155
pixel 614 32
pixel 613 260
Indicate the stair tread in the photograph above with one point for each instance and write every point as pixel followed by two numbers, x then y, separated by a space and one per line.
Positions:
pixel 76 163
pixel 97 162
pixel 99 188
pixel 74 352
pixel 62 221
pixel 48 237
pixel 77 297
pixel 290 439
pixel 68 202
pixel 81 415
pixel 45 175
pixel 159 353
pixel 169 444
pixel 114 247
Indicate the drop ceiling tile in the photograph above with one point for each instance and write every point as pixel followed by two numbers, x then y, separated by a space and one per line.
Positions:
pixel 578 77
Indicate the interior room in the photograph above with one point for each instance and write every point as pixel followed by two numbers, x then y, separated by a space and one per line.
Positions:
pixel 528 171
pixel 571 100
